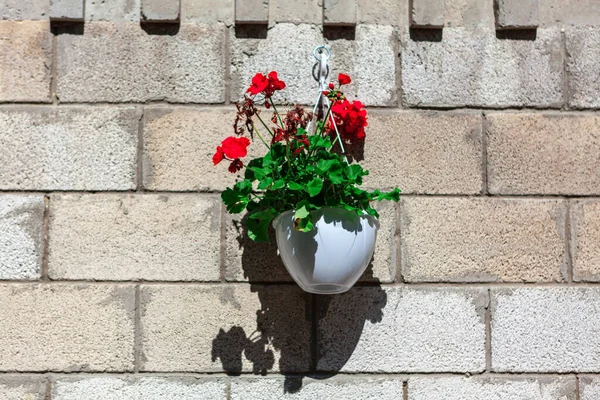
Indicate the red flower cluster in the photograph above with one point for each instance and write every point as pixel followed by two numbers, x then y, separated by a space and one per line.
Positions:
pixel 351 119
pixel 266 85
pixel 232 149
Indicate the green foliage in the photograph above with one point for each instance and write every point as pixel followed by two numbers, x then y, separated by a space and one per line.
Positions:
pixel 304 182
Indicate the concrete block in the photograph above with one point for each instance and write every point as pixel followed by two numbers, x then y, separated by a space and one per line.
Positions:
pixel 160 10
pixel 230 328
pixel 68 148
pixel 22 387
pixel 66 328
pixel 470 14
pixel 340 12
pixel 585 240
pixel 561 13
pixel 583 50
pixel 383 12
pixel 122 237
pixel 192 67
pixel 589 387
pixel 427 13
pixel 424 152
pixel 113 10
pixel 296 11
pixel 173 141
pixel 67 10
pixel 551 329
pixel 252 11
pixel 483 240
pixel 373 77
pixel 22 239
pixel 208 11
pixel 477 388
pixel 471 67
pixel 380 329
pixel 145 388
pixel 516 14
pixel 336 388
pixel 21 10
pixel 26 49
pixel 543 153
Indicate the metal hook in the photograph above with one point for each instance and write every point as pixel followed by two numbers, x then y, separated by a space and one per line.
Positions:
pixel 322 55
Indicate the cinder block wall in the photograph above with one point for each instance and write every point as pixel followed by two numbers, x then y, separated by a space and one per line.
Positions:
pixel 124 278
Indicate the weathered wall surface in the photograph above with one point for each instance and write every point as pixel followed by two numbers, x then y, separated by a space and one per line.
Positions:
pixel 123 278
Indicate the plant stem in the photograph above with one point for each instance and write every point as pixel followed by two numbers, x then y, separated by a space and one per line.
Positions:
pixel 265 125
pixel 277 113
pixel 261 138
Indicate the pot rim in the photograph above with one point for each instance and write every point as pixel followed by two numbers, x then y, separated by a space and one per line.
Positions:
pixel 371 218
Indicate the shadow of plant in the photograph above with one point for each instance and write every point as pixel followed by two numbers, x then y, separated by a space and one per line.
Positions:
pixel 287 324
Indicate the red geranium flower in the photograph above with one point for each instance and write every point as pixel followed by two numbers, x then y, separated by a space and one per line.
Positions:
pixel 235 166
pixel 344 79
pixel 234 147
pixel 218 157
pixel 259 84
pixel 351 119
pixel 266 85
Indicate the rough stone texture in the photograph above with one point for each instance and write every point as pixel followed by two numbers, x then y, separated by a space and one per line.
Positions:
pixel 127 70
pixel 585 239
pixel 543 154
pixel 583 51
pixel 68 148
pixel 22 388
pixel 22 239
pixel 424 152
pixel 545 329
pixel 151 388
pixel 483 240
pixel 589 387
pixel 474 68
pixel 112 10
pixel 338 388
pixel 160 10
pixel 132 237
pixel 376 329
pixel 252 11
pixel 230 328
pixel 67 10
pixel 383 12
pixel 25 61
pixel 427 13
pixel 179 144
pixel 207 11
pixel 58 327
pixel 339 12
pixel 374 81
pixel 516 14
pixel 24 10
pixel 569 12
pixel 246 260
pixel 296 11
pixel 477 388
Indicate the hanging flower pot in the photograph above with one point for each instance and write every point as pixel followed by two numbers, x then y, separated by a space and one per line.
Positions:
pixel 304 185
pixel 333 255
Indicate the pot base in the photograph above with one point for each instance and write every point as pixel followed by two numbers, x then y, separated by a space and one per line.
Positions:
pixel 325 288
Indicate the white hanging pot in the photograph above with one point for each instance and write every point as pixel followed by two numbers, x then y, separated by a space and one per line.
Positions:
pixel 331 257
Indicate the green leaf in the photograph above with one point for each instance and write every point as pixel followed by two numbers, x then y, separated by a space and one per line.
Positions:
pixel 236 198
pixel 304 224
pixel 394 195
pixel 303 209
pixel 265 183
pixel 314 187
pixel 295 186
pixel 335 174
pixel 354 172
pixel 278 184
pixel 326 165
pixel 260 173
pixel 258 224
